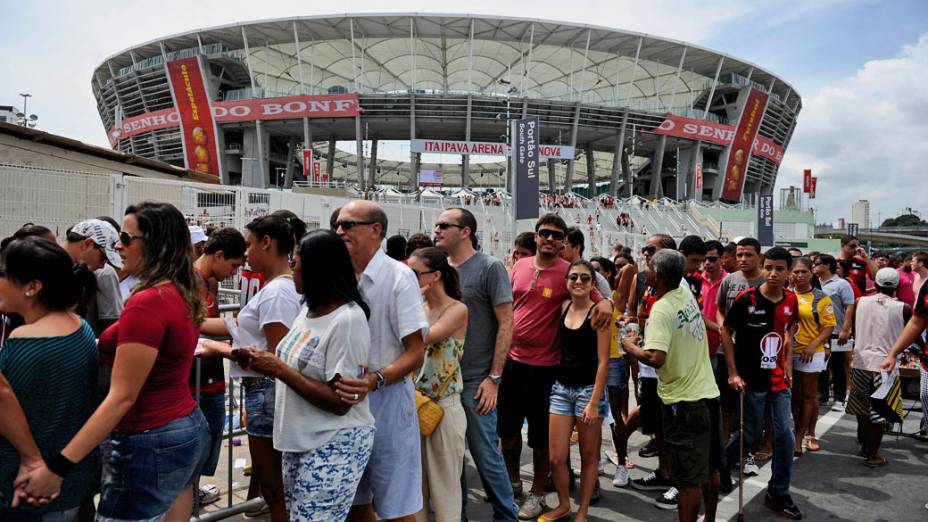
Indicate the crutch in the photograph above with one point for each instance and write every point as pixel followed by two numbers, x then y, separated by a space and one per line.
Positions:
pixel 741 456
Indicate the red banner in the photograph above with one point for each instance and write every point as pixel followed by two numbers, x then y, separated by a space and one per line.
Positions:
pixel 699 176
pixel 288 107
pixel 813 184
pixel 739 152
pixel 198 131
pixel 307 163
pixel 717 133
pixel 807 181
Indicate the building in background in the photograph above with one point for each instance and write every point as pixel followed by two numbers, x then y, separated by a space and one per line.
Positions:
pixel 621 112
pixel 860 213
pixel 8 114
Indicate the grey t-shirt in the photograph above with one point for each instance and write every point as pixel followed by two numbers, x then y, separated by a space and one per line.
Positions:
pixel 108 303
pixel 842 296
pixel 733 284
pixel 484 285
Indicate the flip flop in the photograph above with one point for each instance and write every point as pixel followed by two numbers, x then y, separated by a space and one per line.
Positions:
pixel 812 444
pixel 544 518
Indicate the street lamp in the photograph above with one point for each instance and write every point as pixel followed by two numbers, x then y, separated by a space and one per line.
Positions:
pixel 26 121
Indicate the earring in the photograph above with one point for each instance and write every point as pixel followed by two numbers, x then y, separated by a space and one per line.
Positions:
pixel 28 294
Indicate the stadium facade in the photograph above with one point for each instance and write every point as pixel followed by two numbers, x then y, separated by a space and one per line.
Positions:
pixel 263 103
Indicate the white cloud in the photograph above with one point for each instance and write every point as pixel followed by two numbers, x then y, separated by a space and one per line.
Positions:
pixel 864 138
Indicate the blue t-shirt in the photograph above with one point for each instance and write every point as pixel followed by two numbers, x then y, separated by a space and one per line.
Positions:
pixel 55 381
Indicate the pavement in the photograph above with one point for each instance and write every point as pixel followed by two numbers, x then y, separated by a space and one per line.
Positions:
pixel 829 485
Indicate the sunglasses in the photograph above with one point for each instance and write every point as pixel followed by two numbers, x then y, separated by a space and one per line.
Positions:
pixel 443 225
pixel 547 233
pixel 712 259
pixel 584 278
pixel 348 225
pixel 852 245
pixel 126 238
pixel 648 250
pixel 418 273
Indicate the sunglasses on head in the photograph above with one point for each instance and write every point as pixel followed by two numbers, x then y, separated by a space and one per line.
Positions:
pixel 444 225
pixel 547 233
pixel 126 238
pixel 584 278
pixel 348 224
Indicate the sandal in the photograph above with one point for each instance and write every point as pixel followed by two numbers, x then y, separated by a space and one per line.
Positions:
pixel 812 444
pixel 879 463
pixel 547 517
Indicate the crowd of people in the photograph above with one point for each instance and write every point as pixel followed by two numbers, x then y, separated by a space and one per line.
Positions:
pixel 371 365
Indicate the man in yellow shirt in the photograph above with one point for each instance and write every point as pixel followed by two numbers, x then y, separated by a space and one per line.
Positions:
pixel 676 346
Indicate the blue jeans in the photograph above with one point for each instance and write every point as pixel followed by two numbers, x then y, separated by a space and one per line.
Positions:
pixel 483 443
pixel 213 406
pixel 146 471
pixel 784 440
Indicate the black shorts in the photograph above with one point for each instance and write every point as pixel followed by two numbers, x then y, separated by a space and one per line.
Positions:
pixel 693 437
pixel 727 396
pixel 525 393
pixel 650 407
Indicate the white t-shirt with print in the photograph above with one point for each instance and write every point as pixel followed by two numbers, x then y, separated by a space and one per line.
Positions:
pixel 320 348
pixel 277 302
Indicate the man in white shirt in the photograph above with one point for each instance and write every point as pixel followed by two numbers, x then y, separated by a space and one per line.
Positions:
pixel 392 481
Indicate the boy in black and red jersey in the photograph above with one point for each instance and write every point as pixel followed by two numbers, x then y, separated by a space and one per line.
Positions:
pixel 757 338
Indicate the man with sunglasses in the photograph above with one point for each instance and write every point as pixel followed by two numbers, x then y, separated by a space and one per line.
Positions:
pixel 538 288
pixel 488 295
pixel 712 276
pixel 859 266
pixel 392 480
pixel 93 242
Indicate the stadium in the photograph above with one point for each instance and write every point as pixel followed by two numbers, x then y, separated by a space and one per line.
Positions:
pixel 622 113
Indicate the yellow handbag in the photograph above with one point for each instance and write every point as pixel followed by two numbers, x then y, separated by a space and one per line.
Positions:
pixel 429 411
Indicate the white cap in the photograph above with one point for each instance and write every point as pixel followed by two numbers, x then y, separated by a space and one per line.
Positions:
pixel 197 235
pixel 887 278
pixel 104 235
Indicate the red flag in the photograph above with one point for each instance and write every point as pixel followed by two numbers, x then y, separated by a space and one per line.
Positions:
pixel 807 181
pixel 813 184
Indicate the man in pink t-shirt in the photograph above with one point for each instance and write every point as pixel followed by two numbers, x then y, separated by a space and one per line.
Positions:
pixel 539 287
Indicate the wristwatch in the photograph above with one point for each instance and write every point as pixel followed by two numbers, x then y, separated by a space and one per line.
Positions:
pixel 381 380
pixel 496 379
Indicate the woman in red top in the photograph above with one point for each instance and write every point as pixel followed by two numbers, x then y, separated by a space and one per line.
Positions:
pixel 155 436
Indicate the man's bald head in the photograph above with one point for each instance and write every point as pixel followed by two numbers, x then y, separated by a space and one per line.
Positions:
pixel 367 211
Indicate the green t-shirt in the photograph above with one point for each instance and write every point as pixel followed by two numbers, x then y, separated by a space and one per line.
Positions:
pixel 676 327
pixel 55 381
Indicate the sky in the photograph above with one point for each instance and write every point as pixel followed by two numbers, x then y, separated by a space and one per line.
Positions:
pixel 861 67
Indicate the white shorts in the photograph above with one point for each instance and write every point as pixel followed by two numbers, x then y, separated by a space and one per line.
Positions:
pixel 816 365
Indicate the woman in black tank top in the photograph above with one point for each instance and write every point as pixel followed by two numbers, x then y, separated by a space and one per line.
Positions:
pixel 577 395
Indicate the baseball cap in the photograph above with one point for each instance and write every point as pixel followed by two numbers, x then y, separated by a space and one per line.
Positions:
pixel 197 235
pixel 887 278
pixel 104 235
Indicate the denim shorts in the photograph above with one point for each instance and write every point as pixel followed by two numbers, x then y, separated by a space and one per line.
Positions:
pixel 146 471
pixel 259 404
pixel 570 401
pixel 213 406
pixel 618 374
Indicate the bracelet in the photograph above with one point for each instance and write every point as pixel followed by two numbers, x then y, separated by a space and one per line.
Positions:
pixel 381 380
pixel 59 465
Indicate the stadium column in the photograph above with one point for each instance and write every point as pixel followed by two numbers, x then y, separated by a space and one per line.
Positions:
pixel 414 157
pixel 261 158
pixel 656 165
pixel 359 144
pixel 372 167
pixel 291 156
pixel 330 161
pixel 590 171
pixel 617 157
pixel 568 182
pixel 552 178
pixel 629 178
pixel 465 158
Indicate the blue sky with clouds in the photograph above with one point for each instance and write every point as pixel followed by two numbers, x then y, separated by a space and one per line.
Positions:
pixel 861 67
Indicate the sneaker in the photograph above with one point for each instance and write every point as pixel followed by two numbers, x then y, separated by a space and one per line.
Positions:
pixel 600 470
pixel 621 477
pixel 750 468
pixel 668 500
pixel 783 505
pixel 652 482
pixel 838 406
pixel 257 512
pixel 648 450
pixel 532 507
pixel 207 494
